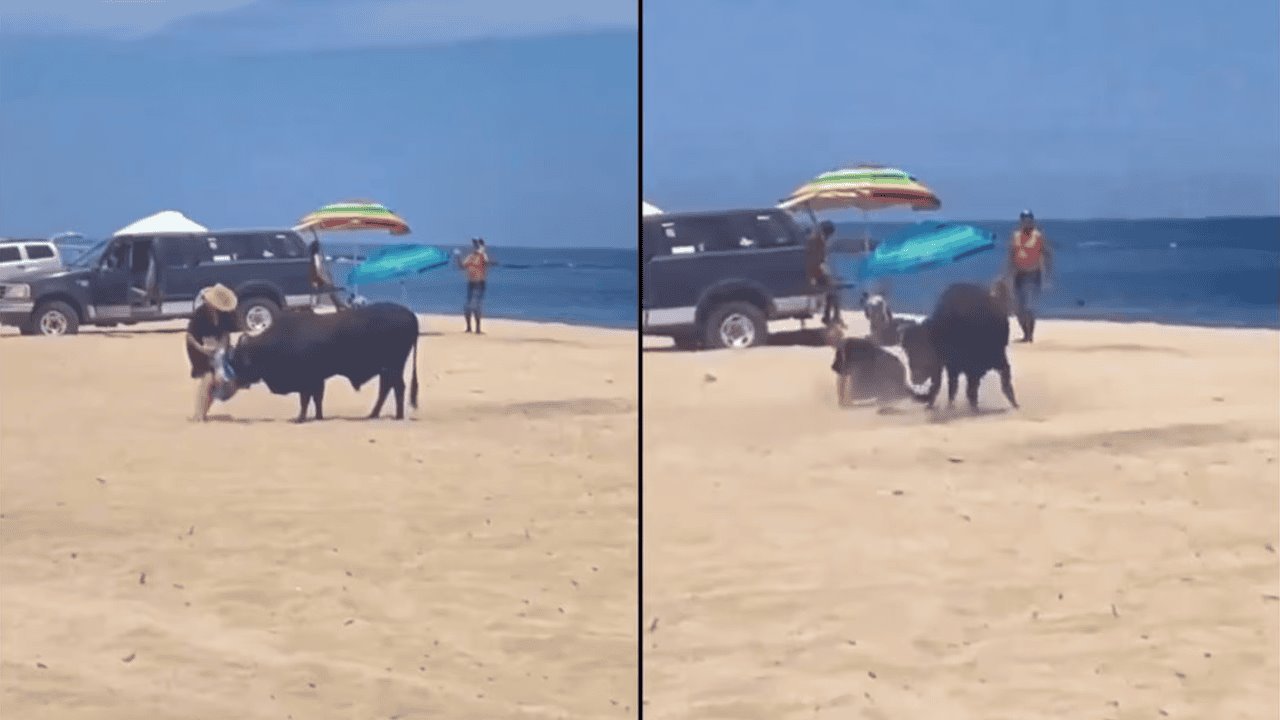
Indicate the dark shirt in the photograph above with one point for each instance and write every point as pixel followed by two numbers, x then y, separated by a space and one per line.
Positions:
pixel 203 328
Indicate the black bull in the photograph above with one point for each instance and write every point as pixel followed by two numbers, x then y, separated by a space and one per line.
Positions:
pixel 300 351
pixel 967 334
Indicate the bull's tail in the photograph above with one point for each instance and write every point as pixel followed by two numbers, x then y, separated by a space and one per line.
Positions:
pixel 413 384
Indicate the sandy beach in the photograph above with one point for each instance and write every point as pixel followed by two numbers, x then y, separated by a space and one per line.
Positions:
pixel 478 561
pixel 1109 551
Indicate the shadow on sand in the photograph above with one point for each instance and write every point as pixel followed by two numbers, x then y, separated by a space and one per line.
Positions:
pixel 809 337
pixel 360 419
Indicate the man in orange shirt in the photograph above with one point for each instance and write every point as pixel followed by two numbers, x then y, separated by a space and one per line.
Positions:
pixel 476 266
pixel 1029 266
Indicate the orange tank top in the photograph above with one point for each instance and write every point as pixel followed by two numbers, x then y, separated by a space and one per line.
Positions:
pixel 1028 249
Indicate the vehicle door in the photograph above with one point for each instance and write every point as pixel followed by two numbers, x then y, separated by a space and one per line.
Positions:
pixel 109 286
pixel 776 237
pixel 674 273
pixel 286 264
pixel 693 261
pixel 42 257
pixel 183 262
pixel 146 280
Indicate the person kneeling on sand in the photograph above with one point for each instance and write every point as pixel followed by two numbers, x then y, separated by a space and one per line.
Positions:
pixel 208 338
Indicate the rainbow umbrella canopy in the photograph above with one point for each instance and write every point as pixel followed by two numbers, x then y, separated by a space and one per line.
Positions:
pixel 863 187
pixel 354 215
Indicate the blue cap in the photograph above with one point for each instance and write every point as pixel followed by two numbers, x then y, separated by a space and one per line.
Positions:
pixel 1026 214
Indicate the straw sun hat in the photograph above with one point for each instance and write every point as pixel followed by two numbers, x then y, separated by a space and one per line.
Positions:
pixel 219 297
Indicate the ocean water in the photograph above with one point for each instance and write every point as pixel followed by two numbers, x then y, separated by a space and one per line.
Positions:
pixel 580 287
pixel 1211 272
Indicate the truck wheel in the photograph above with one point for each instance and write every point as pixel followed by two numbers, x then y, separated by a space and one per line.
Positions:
pixel 258 314
pixel 735 325
pixel 55 318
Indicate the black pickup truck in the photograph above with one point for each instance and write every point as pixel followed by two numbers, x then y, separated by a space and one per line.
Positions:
pixel 131 279
pixel 715 279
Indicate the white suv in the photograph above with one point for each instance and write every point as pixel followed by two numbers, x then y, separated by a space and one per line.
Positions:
pixel 18 257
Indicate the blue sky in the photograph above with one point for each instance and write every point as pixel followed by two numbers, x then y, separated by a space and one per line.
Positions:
pixel 1078 109
pixel 468 117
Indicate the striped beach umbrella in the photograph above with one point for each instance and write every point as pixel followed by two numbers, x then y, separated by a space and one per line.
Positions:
pixel 354 215
pixel 864 187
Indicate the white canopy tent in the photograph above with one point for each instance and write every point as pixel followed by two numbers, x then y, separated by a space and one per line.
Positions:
pixel 165 221
pixel 647 209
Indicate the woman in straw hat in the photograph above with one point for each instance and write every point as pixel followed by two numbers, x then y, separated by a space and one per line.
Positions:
pixel 208 332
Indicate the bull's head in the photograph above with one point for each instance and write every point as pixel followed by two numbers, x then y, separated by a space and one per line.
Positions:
pixel 922 358
pixel 241 360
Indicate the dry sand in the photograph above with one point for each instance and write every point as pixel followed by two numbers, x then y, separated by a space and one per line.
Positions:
pixel 1109 551
pixel 477 562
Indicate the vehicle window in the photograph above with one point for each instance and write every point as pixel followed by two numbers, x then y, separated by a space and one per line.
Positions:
pixel 287 245
pixel 141 255
pixel 692 235
pixel 269 246
pixel 227 248
pixel 772 230
pixel 718 234
pixel 185 252
pixel 257 247
pixel 652 241
pixel 9 253
pixel 118 256
pixel 87 257
pixel 39 252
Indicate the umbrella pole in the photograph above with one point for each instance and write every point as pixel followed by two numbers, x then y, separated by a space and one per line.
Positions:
pixel 812 215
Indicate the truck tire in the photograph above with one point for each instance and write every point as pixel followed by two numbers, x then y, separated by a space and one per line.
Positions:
pixel 257 314
pixel 54 318
pixel 735 325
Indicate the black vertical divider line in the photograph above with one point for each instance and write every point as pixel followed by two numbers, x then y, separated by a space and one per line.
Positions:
pixel 639 360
